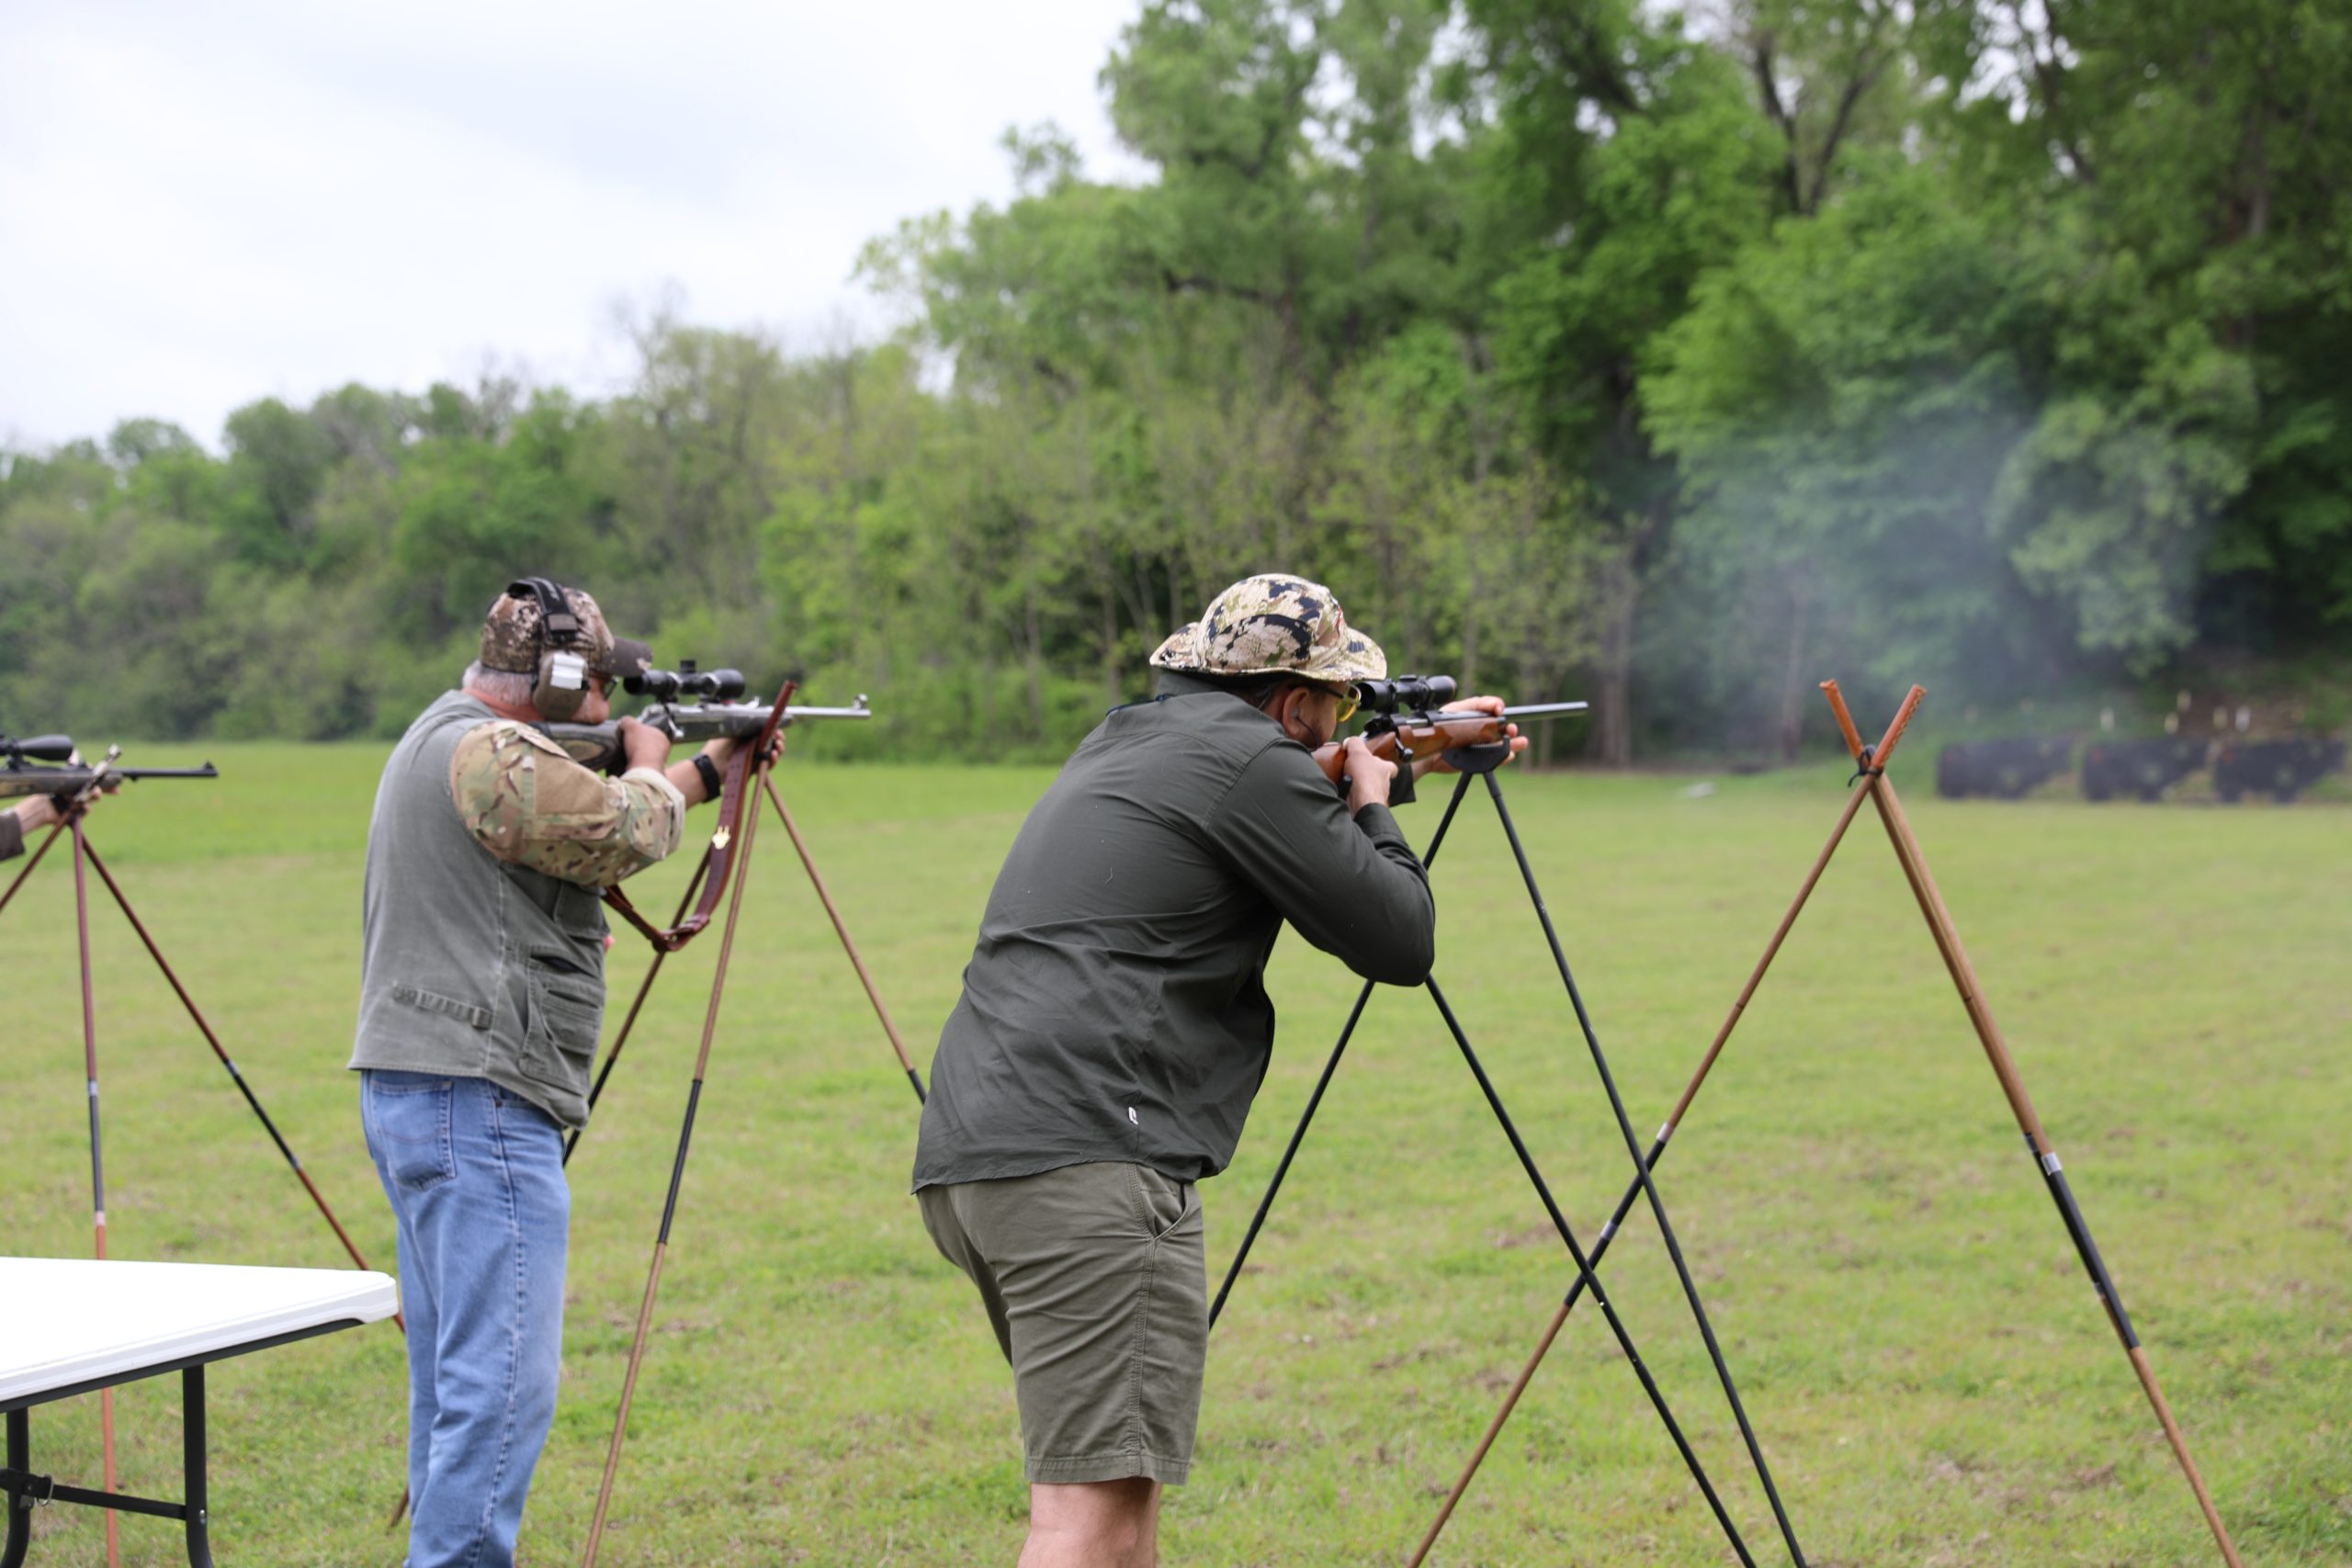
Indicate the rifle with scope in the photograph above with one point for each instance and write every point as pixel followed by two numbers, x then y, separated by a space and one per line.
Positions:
pixel 47 764
pixel 689 704
pixel 1408 721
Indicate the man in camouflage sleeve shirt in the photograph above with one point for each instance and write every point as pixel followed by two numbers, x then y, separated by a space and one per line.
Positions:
pixel 481 993
pixel 1115 1026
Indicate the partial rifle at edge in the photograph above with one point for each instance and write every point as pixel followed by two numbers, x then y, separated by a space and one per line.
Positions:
pixel 47 764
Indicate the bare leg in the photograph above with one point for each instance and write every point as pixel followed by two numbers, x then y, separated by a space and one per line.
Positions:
pixel 1094 1524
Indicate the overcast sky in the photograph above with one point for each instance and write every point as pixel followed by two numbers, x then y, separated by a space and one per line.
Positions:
pixel 201 204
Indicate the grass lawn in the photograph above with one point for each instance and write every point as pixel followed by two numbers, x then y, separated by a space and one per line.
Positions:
pixel 1930 1375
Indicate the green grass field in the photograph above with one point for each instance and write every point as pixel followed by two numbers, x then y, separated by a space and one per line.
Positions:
pixel 1932 1378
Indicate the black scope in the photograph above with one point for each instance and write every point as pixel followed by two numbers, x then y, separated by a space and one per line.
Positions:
pixel 38 748
pixel 1409 692
pixel 686 681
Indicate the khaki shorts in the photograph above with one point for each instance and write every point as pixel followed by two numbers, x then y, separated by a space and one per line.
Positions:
pixel 1094 1277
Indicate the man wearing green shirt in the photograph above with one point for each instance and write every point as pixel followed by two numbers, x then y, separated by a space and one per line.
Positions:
pixel 1114 1027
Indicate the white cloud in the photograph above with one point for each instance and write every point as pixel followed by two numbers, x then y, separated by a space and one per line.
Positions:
pixel 202 206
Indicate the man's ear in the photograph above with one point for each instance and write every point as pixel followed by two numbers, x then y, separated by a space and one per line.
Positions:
pixel 1288 713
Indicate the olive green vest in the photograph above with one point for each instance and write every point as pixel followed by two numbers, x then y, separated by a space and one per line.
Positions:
pixel 470 967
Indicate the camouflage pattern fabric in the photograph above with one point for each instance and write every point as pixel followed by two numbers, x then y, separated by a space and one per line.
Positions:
pixel 510 638
pixel 530 804
pixel 1274 624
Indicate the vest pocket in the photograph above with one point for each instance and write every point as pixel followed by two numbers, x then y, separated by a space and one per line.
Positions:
pixel 567 1013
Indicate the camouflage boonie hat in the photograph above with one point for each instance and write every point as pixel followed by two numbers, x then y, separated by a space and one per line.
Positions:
pixel 510 638
pixel 1274 625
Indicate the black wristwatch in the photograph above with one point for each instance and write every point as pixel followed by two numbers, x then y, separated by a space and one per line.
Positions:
pixel 708 769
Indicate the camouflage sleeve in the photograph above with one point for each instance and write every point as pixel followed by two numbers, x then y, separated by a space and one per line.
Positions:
pixel 11 833
pixel 530 804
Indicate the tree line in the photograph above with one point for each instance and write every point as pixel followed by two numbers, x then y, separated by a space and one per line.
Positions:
pixel 1667 357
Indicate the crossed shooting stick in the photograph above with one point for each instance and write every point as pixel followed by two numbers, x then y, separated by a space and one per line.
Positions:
pixel 1872 784
pixel 728 858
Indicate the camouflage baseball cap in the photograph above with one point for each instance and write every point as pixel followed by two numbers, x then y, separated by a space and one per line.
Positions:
pixel 510 637
pixel 1274 625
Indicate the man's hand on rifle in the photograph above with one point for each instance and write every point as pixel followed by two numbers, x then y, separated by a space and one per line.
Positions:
pixel 1435 762
pixel 1367 775
pixel 643 746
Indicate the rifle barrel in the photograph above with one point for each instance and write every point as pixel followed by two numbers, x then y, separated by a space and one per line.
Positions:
pixel 1545 710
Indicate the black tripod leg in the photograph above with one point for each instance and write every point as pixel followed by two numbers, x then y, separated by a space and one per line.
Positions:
pixel 1315 1100
pixel 1584 1271
pixel 1643 1175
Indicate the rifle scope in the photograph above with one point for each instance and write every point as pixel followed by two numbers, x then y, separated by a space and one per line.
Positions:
pixel 1407 692
pixel 39 749
pixel 686 681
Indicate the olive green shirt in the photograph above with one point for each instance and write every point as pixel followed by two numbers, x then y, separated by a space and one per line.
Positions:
pixel 1114 1007
pixel 12 834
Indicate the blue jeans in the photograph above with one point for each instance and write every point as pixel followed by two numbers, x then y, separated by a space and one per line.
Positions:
pixel 475 1176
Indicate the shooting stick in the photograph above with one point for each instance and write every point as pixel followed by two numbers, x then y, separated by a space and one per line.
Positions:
pixel 1674 1121
pixel 2053 1175
pixel 86 852
pixel 1476 762
pixel 856 961
pixel 752 767
pixel 1642 1176
pixel 644 988
pixel 744 765
pixel 662 951
pixel 97 1160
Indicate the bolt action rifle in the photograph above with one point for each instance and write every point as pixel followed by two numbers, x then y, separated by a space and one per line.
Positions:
pixel 690 705
pixel 1410 722
pixel 47 764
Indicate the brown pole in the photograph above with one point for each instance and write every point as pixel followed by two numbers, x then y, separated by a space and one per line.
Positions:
pixel 628 1024
pixel 1691 1092
pixel 1947 938
pixel 97 1157
pixel 750 828
pixel 856 962
pixel 27 870
pixel 205 1029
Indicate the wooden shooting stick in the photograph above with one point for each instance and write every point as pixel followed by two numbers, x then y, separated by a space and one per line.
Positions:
pixel 858 961
pixel 1979 1015
pixel 1658 1148
pixel 755 761
pixel 758 765
pixel 97 1161
pixel 662 952
pixel 86 852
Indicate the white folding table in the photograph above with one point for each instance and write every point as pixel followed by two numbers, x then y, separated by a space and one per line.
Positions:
pixel 73 1325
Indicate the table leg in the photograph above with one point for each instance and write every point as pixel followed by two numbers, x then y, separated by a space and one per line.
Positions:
pixel 198 1505
pixel 20 1504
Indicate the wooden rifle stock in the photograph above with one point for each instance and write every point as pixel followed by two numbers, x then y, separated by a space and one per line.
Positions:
pixel 1418 734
